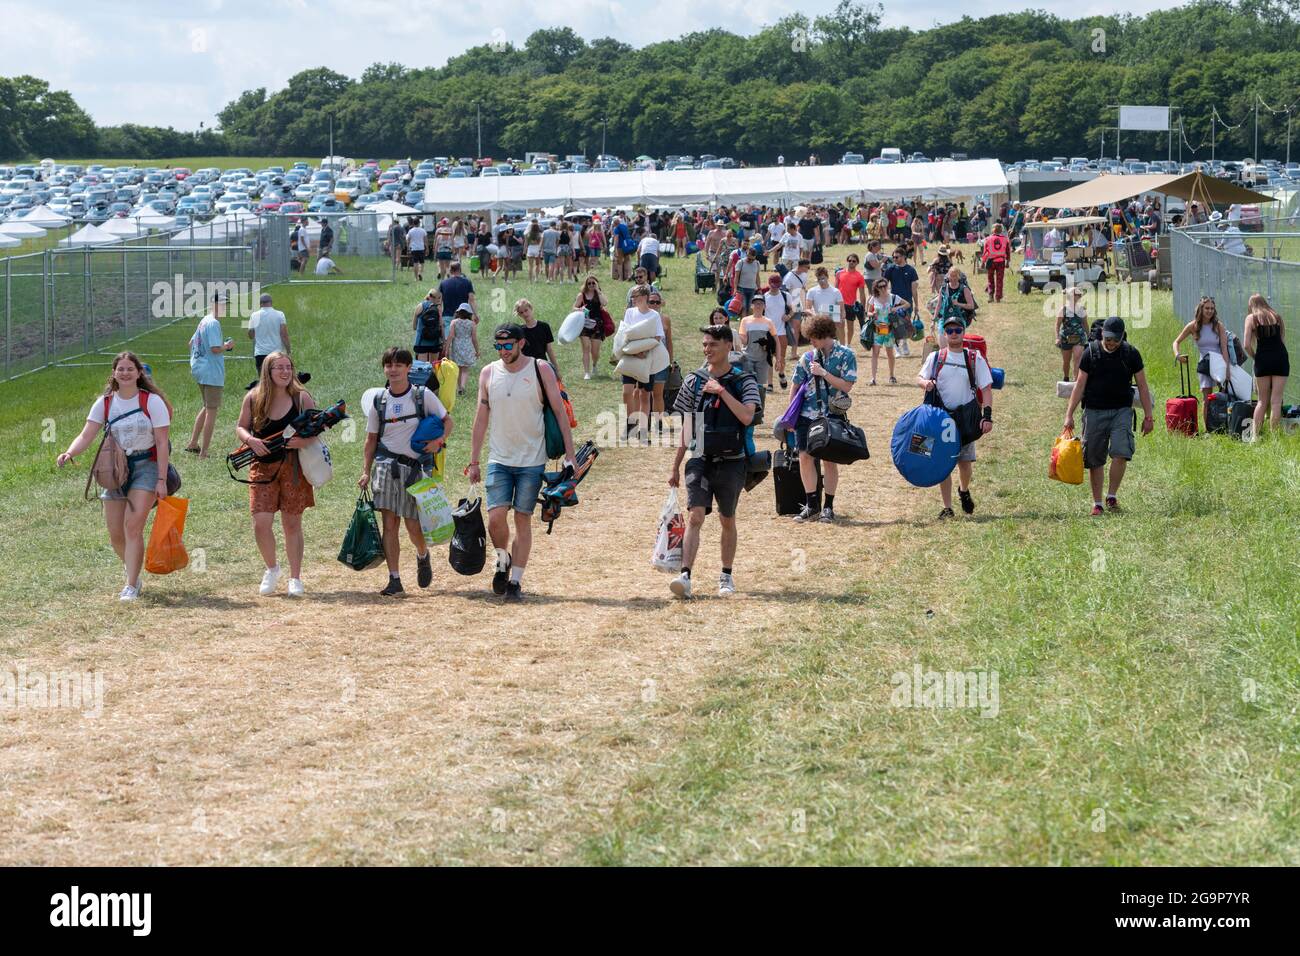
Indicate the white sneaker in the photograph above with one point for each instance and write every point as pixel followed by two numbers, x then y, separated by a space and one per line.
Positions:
pixel 269 580
pixel 681 586
pixel 129 593
pixel 295 587
pixel 726 585
pixel 586 376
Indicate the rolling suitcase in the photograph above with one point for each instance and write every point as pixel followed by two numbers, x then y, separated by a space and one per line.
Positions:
pixel 1216 413
pixel 1180 412
pixel 790 496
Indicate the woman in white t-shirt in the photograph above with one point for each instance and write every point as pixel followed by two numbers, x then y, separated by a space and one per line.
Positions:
pixel 138 417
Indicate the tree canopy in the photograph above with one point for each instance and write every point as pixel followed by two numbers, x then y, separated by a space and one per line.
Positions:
pixel 1004 85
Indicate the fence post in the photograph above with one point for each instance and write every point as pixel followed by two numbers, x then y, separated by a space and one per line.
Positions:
pixel 9 323
pixel 88 315
pixel 126 301
pixel 1268 269
pixel 47 303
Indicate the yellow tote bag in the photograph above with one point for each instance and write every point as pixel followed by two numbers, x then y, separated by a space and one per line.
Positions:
pixel 1067 459
pixel 448 373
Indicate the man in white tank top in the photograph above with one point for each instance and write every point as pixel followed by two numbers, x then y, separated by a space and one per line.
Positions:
pixel 510 392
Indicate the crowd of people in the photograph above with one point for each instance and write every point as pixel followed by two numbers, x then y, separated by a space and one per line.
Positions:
pixel 784 320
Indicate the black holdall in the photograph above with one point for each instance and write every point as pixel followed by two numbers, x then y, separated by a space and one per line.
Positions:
pixel 468 551
pixel 834 438
pixel 966 417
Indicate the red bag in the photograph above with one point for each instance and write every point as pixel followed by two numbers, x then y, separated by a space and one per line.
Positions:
pixel 977 343
pixel 1181 412
pixel 606 323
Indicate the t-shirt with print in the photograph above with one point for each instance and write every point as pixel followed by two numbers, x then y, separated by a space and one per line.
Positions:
pixel 840 362
pixel 790 247
pixel 265 324
pixel 954 379
pixel 1110 375
pixel 397 435
pixel 827 301
pixel 208 368
pixel 134 432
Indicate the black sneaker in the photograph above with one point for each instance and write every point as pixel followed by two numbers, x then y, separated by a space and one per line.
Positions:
pixel 805 514
pixel 827 516
pixel 967 503
pixel 394 588
pixel 947 513
pixel 424 570
pixel 513 592
pixel 500 579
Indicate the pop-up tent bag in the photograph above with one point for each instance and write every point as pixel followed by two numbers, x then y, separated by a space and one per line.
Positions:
pixel 925 445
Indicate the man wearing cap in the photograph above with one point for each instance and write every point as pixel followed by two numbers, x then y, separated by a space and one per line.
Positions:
pixel 268 330
pixel 511 392
pixel 963 377
pixel 717 404
pixel 1104 387
pixel 1232 242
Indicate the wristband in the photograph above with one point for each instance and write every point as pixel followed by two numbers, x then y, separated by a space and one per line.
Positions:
pixel 988 413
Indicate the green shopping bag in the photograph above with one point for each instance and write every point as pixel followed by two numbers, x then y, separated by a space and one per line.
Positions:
pixel 363 546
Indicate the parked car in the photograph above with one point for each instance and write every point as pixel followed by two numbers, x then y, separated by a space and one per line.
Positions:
pixel 324 203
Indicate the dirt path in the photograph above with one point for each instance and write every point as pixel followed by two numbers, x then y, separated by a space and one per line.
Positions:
pixel 452 728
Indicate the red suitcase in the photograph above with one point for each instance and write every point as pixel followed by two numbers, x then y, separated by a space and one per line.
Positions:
pixel 1180 412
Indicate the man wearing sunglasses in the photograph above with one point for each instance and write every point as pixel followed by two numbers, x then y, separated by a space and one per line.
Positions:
pixel 511 392
pixel 1104 386
pixel 961 376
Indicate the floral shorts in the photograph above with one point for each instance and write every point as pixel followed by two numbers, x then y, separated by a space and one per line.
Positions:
pixel 289 491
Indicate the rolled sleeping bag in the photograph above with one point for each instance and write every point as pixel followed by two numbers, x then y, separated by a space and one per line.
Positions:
pixel 429 429
pixel 925 445
pixel 572 326
pixel 999 376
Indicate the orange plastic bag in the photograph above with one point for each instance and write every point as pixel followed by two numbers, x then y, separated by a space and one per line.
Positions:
pixel 166 551
pixel 1066 463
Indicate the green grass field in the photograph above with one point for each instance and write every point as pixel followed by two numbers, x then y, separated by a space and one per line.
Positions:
pixel 1148 664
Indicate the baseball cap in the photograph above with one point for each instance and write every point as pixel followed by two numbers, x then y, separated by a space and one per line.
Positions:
pixel 1113 328
pixel 466 308
pixel 510 330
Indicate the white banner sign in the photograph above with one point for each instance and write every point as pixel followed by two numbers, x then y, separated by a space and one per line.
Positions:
pixel 1154 119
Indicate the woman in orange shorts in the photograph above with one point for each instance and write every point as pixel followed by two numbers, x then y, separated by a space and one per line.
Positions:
pixel 277 481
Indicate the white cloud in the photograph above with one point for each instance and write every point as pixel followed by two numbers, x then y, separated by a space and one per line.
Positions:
pixel 178 64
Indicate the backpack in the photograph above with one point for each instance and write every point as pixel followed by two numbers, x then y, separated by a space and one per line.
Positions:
pixel 430 325
pixel 381 410
pixel 110 468
pixel 966 417
pixel 722 437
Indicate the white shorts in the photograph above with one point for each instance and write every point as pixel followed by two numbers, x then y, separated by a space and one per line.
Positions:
pixel 534 251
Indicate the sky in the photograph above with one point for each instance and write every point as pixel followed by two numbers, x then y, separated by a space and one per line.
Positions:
pixel 163 63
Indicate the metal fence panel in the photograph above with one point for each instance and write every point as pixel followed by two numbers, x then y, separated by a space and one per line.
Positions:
pixel 1272 269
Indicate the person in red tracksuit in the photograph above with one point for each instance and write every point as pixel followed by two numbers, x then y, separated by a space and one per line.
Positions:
pixel 997 253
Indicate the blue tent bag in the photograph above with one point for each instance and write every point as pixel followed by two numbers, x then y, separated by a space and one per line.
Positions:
pixel 925 445
pixel 999 376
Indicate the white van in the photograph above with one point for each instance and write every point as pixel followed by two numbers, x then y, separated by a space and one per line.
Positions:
pixel 891 154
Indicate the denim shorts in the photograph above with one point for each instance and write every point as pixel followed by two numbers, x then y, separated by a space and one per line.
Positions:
pixel 650 385
pixel 511 486
pixel 548 258
pixel 144 476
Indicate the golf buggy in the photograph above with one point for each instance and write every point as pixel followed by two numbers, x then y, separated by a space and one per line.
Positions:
pixel 1059 251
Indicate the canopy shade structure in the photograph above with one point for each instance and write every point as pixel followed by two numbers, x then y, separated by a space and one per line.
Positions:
pixel 89 235
pixel 1109 189
pixel 8 242
pixel 768 185
pixel 21 230
pixel 45 218
pixel 124 227
pixel 392 208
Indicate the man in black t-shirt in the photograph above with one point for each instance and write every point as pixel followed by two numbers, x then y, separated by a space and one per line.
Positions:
pixel 1104 387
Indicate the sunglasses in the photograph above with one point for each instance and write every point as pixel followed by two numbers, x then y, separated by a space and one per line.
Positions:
pixel 953 331
pixel 656 301
pixel 503 346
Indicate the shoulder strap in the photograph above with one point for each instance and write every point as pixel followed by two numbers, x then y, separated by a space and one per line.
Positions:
pixel 143 396
pixel 970 371
pixel 940 360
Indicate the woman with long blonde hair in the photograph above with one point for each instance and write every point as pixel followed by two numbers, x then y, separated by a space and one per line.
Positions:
pixel 276 479
pixel 1264 339
pixel 137 414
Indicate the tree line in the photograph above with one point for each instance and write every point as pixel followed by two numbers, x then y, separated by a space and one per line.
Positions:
pixel 1005 86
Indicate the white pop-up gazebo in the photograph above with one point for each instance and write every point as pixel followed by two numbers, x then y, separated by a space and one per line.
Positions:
pixel 90 235
pixel 768 185
pixel 45 218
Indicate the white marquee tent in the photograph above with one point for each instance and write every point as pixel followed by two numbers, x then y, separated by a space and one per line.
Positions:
pixel 89 235
pixel 45 218
pixel 21 230
pixel 770 185
pixel 9 242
